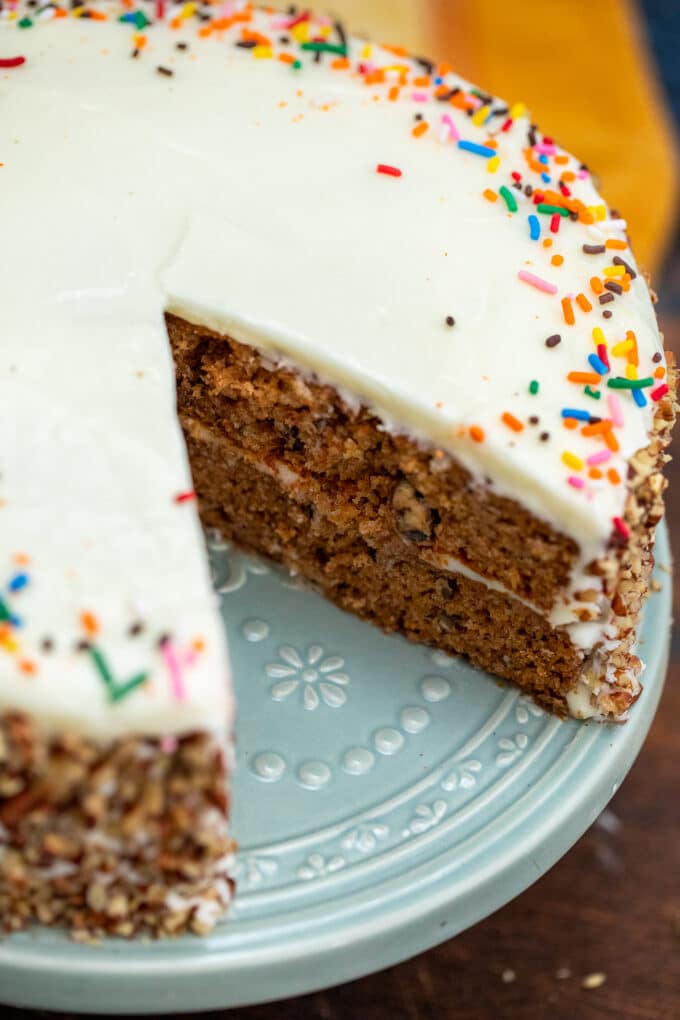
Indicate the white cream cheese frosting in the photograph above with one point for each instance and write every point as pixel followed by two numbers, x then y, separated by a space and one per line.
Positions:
pixel 322 209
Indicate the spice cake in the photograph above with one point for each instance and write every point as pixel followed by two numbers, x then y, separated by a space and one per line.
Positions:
pixel 414 361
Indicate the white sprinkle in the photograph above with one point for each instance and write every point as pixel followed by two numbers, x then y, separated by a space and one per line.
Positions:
pixel 592 981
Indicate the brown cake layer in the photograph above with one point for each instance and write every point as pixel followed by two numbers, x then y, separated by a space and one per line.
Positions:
pixel 117 839
pixel 284 466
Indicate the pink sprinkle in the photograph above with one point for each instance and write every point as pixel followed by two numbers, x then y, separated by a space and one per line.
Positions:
pixel 659 392
pixel 168 653
pixel 537 282
pixel 453 133
pixel 575 482
pixel 621 527
pixel 615 410
pixel 545 150
pixel 169 744
pixel 581 174
pixel 600 457
pixel 419 97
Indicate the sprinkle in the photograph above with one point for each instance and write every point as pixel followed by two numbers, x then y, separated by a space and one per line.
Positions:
pixel 570 423
pixel 584 378
pixel 185 497
pixel 20 581
pixel 534 227
pixel 28 666
pixel 450 321
pixel 639 398
pixel 174 669
pixel 596 285
pixel 624 531
pixel 391 171
pixel 89 623
pixel 613 243
pixel 567 310
pixel 509 200
pixel 598 364
pixel 619 383
pixel 621 263
pixel 512 422
pixel 537 282
pixel 420 129
pixel 553 340
pixel 557 260
pixel 556 210
pixel 595 473
pixel 533 387
pixel 447 119
pixel 659 392
pixel 490 195
pixel 613 476
pixel 493 165
pixel 555 223
pixel 611 271
pixel 12 61
pixel 596 427
pixel 601 457
pixel 115 690
pixel 576 482
pixel 583 303
pixel 166 71
pixel 593 249
pixel 477 433
pixel 598 337
pixel 611 440
pixel 612 286
pixel 479 150
pixel 572 461
pixel 575 414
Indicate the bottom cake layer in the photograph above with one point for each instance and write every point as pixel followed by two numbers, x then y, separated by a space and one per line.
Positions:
pixel 392 585
pixel 118 839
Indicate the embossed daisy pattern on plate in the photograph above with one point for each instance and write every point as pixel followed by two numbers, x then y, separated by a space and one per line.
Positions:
pixel 319 677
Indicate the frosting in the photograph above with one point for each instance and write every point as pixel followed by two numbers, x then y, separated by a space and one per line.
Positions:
pixel 332 203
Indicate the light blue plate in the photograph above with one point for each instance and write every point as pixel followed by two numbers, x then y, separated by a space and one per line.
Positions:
pixel 387 797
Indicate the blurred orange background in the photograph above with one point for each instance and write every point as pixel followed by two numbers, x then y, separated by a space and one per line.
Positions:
pixel 583 68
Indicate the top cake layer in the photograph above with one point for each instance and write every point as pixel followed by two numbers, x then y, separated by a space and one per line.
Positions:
pixel 373 219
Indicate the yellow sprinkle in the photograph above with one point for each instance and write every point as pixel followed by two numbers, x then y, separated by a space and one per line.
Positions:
pixel 598 336
pixel 300 32
pixel 572 461
pixel 366 52
pixel 493 164
pixel 263 52
pixel 324 31
pixel 188 10
pixel 614 270
pixel 517 109
pixel 600 212
pixel 618 350
pixel 631 371
pixel 8 642
pixel 480 115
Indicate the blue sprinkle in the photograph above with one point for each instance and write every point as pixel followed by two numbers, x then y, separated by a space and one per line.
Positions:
pixel 439 81
pixel 598 364
pixel 16 621
pixel 545 178
pixel 129 17
pixel 639 398
pixel 543 159
pixel 534 228
pixel 479 150
pixel 18 582
pixel 573 412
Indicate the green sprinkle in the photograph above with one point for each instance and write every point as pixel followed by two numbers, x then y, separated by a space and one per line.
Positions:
pixel 324 47
pixel 533 387
pixel 25 23
pixel 122 690
pixel 116 691
pixel 5 614
pixel 102 667
pixel 296 65
pixel 508 198
pixel 620 383
pixel 543 208
pixel 595 394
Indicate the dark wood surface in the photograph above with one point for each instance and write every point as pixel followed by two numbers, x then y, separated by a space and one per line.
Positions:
pixel 610 907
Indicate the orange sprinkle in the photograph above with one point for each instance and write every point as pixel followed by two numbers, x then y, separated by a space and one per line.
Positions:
pixel 477 433
pixel 338 64
pixel 613 476
pixel 286 58
pixel 139 41
pixel 198 644
pixel 568 311
pixel 422 81
pixel 420 129
pixel 611 440
pixel 513 423
pixel 176 23
pixel 557 260
pixel 595 473
pixel 393 93
pixel 89 622
pixel 568 176
pixel 585 378
pixel 596 285
pixel 583 303
pixel 613 243
pixel 633 358
pixel 547 243
pixel 28 666
pixel 570 423
pixel 561 159
pixel 659 373
pixel 490 195
pixel 597 428
pixel 22 559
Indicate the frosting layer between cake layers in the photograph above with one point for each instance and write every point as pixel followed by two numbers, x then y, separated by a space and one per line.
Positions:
pixel 325 213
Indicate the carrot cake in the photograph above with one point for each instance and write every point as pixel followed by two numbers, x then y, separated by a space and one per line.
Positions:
pixel 354 312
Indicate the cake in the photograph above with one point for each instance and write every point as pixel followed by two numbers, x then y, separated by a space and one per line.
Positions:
pixel 351 311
